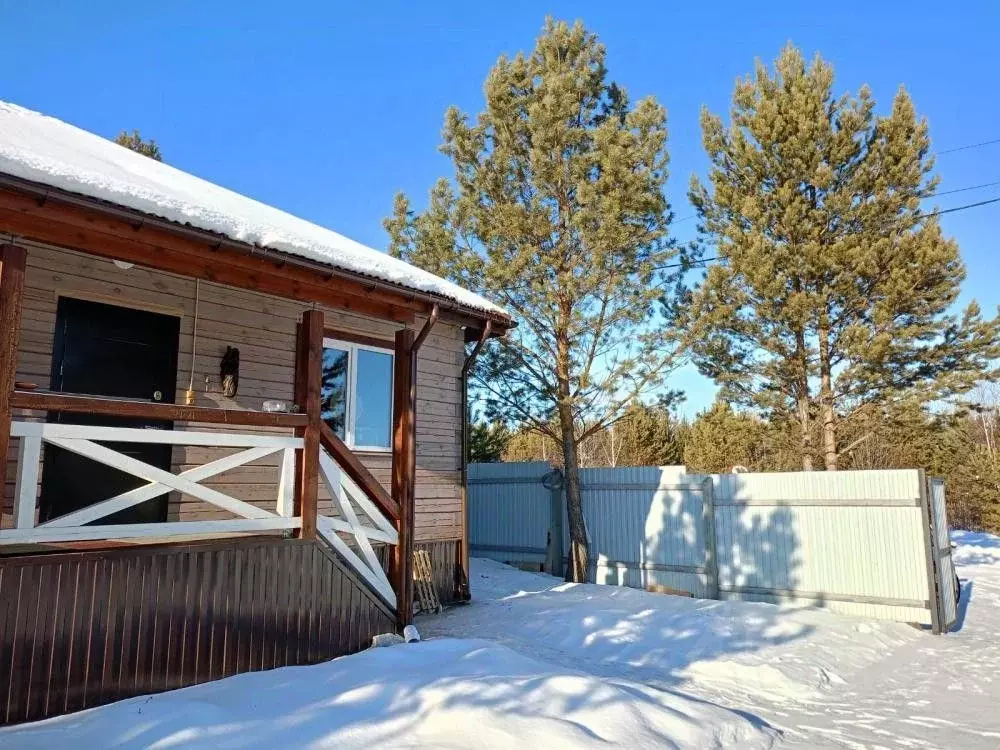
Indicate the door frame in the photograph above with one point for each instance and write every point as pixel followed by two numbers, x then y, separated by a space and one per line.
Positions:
pixel 58 352
pixel 114 300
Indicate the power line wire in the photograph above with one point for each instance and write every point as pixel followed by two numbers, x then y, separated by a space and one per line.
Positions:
pixel 965 189
pixel 702 261
pixel 960 208
pixel 932 195
pixel 971 145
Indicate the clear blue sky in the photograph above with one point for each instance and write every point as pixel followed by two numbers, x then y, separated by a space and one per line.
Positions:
pixel 327 109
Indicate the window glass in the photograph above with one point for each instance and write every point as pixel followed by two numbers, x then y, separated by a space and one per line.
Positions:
pixel 356 394
pixel 333 392
pixel 373 407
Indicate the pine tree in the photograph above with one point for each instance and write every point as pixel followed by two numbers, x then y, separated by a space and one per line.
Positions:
pixel 135 142
pixel 558 214
pixel 834 286
pixel 947 444
pixel 527 444
pixel 721 439
pixel 647 435
pixel 488 441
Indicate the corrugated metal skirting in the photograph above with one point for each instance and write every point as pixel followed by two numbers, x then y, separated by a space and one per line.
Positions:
pixel 83 629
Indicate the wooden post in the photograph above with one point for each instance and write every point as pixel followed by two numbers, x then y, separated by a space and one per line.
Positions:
pixel 403 471
pixel 12 262
pixel 308 381
pixel 463 592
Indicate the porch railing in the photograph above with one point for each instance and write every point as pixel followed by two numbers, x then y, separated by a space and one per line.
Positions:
pixel 370 525
pixel 364 512
pixel 311 456
pixel 80 439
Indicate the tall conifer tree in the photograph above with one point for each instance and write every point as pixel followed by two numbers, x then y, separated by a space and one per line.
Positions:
pixel 135 142
pixel 835 286
pixel 557 213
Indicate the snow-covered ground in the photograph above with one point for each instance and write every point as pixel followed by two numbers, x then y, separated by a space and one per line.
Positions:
pixel 817 679
pixel 534 662
pixel 450 693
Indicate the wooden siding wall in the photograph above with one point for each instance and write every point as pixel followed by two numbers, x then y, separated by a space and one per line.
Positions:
pixel 83 629
pixel 262 327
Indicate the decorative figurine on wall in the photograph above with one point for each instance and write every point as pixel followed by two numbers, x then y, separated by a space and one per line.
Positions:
pixel 230 371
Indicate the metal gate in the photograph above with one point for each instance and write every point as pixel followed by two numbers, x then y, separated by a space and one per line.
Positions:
pixel 944 566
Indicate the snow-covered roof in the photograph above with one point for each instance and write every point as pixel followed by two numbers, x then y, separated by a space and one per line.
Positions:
pixel 45 150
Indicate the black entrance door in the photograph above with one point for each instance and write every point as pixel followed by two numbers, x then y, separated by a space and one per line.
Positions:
pixel 106 350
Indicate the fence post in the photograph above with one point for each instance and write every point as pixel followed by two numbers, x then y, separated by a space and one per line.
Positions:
pixel 555 554
pixel 930 546
pixel 711 558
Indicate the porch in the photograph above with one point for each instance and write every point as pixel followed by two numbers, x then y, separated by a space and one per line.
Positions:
pixel 304 556
pixel 93 610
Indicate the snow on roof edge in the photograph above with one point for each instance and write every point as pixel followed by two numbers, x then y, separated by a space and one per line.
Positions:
pixel 42 149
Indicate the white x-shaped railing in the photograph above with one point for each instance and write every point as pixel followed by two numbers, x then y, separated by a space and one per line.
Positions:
pixel 345 494
pixel 80 439
pixel 357 516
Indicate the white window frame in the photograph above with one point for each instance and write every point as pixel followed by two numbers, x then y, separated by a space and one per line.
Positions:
pixel 350 413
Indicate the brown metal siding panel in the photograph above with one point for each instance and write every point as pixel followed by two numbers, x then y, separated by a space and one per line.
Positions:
pixel 352 618
pixel 139 663
pixel 241 607
pixel 442 556
pixel 12 644
pixel 443 561
pixel 60 644
pixel 79 634
pixel 35 633
pixel 175 615
pixel 216 634
pixel 86 628
pixel 94 636
pixel 160 622
pixel 338 616
pixel 129 615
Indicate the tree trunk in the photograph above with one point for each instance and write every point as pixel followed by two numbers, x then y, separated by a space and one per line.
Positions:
pixel 802 404
pixel 576 571
pixel 827 412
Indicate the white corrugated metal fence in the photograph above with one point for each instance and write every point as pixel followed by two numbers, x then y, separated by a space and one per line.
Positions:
pixel 867 543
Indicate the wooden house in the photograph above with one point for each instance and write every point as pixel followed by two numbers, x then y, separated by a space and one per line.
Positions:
pixel 223 430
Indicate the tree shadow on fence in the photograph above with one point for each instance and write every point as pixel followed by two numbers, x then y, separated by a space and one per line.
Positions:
pixel 757 551
pixel 620 632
